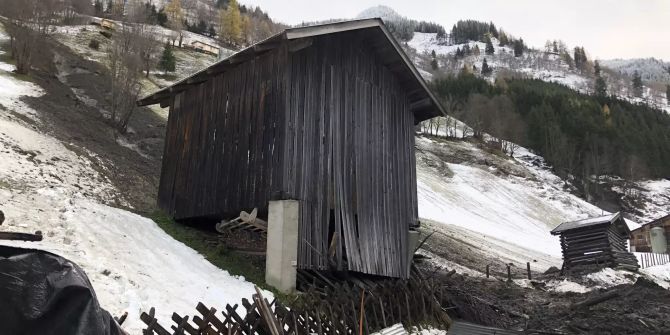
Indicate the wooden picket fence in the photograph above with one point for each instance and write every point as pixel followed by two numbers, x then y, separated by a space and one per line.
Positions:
pixel 342 308
pixel 648 259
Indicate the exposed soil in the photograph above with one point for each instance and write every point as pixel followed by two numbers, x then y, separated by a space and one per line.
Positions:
pixel 640 308
pixel 133 169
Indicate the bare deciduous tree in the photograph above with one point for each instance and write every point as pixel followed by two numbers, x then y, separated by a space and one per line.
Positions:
pixel 125 70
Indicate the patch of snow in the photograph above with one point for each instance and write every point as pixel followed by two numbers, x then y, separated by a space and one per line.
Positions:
pixel 11 89
pixel 122 141
pixel 609 277
pixel 517 210
pixel 132 264
pixel 428 331
pixel 656 194
pixel 384 12
pixel 660 274
pixel 7 67
pixel 565 286
pixel 429 42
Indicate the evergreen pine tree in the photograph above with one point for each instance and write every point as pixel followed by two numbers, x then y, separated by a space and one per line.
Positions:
pixel 476 51
pixel 637 84
pixel 201 27
pixel 167 62
pixel 601 87
pixel 486 70
pixel 489 45
pixel 580 58
pixel 596 68
pixel 492 30
pixel 667 94
pixel 433 54
pixel 503 38
pixel 518 48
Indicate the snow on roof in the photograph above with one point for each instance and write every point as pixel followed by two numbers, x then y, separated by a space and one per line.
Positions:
pixel 605 219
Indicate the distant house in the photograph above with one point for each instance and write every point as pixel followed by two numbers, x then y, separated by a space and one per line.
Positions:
pixel 323 115
pixel 595 243
pixel 108 24
pixel 206 48
pixel 640 238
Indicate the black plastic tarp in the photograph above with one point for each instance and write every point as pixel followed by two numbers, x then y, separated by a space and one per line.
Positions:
pixel 42 293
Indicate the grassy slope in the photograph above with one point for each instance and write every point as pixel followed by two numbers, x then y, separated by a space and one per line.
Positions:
pixel 203 242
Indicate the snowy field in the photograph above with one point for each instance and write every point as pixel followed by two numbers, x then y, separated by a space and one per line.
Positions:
pixel 536 65
pixel 133 265
pixel 656 194
pixel 607 278
pixel 427 42
pixel 514 209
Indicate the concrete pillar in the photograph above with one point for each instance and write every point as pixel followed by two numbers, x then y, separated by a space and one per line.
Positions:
pixel 412 243
pixel 282 245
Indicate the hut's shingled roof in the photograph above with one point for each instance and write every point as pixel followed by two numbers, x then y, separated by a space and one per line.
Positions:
pixel 605 219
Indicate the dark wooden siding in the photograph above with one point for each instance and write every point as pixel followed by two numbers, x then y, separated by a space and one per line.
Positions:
pixel 224 140
pixel 328 125
pixel 350 148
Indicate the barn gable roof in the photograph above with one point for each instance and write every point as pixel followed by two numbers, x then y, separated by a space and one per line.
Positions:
pixel 423 103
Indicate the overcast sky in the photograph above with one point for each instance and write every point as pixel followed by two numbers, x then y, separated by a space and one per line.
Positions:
pixel 606 28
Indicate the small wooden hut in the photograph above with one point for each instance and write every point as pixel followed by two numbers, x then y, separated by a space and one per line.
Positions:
pixel 596 242
pixel 322 114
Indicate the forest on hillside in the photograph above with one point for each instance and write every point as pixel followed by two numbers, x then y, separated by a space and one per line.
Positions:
pixel 580 135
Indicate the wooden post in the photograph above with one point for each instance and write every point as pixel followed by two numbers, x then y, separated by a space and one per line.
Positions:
pixel 487 270
pixel 528 270
pixel 509 273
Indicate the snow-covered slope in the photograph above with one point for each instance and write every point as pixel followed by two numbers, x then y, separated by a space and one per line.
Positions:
pixel 532 64
pixel 541 65
pixel 512 200
pixel 384 12
pixel 650 69
pixel 56 188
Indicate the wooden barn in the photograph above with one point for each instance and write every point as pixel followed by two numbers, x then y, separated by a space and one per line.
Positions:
pixel 323 115
pixel 640 238
pixel 596 242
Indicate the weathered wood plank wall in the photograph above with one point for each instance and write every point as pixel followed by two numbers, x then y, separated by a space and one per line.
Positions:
pixel 350 149
pixel 224 140
pixel 325 123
